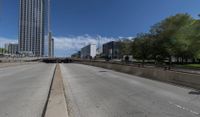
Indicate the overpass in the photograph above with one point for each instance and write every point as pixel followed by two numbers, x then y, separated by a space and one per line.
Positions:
pixel 56 60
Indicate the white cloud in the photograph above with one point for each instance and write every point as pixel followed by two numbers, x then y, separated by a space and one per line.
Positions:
pixel 72 44
pixel 130 38
pixel 67 45
pixel 4 40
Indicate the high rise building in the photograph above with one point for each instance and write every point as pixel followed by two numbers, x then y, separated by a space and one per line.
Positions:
pixel 32 26
pixel 49 44
pixel 50 37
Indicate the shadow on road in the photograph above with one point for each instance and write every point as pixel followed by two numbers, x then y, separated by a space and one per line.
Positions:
pixel 103 71
pixel 194 92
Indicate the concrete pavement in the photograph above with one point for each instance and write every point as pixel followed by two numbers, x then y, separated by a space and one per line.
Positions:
pixel 24 89
pixel 97 92
pixel 15 64
pixel 92 92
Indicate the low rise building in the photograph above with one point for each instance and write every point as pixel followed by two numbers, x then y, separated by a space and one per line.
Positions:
pixel 88 52
pixel 99 50
pixel 76 55
pixel 12 48
pixel 111 50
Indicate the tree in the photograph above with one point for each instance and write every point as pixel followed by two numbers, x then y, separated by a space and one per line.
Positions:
pixel 176 36
pixel 165 33
pixel 125 46
pixel 142 47
pixel 188 41
pixel 2 50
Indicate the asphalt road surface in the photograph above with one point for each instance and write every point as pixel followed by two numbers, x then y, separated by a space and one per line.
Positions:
pixel 24 89
pixel 97 92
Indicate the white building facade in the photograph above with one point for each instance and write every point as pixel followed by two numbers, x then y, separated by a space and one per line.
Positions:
pixel 11 48
pixel 32 26
pixel 89 51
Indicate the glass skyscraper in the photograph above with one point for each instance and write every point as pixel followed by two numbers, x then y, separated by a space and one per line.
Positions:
pixel 32 26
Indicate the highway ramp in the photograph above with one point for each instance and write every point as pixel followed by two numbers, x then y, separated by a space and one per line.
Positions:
pixel 98 92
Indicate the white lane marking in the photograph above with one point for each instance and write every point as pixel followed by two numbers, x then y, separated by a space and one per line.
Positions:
pixel 184 108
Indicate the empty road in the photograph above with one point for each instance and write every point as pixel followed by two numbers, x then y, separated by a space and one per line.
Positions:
pixel 97 92
pixel 24 89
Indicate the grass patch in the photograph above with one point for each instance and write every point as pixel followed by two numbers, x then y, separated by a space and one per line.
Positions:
pixel 191 66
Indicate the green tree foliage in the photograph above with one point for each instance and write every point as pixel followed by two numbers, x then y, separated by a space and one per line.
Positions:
pixel 176 36
pixel 125 47
pixel 166 32
pixel 2 50
pixel 142 47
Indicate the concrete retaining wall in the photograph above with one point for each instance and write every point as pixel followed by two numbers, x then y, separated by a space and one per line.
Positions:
pixel 179 78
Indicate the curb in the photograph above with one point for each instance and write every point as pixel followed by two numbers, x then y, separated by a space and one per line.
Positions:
pixel 49 92
pixel 57 105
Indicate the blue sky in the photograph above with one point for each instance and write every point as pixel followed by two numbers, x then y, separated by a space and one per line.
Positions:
pixel 78 22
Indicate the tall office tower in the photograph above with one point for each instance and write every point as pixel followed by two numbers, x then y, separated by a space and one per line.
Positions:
pixel 32 25
pixel 50 39
pixel 49 45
